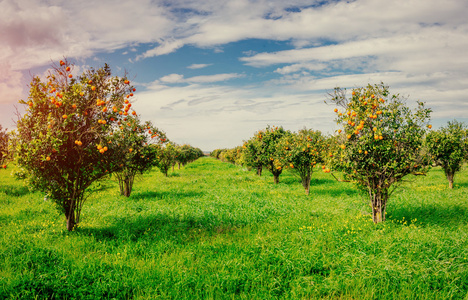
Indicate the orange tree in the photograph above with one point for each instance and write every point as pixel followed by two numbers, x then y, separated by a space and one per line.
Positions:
pixel 187 154
pixel 448 148
pixel 4 153
pixel 232 155
pixel 251 153
pixel 62 138
pixel 166 156
pixel 216 153
pixel 266 143
pixel 300 152
pixel 380 142
pixel 135 155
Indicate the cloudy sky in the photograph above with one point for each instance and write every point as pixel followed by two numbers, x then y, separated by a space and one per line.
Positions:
pixel 212 72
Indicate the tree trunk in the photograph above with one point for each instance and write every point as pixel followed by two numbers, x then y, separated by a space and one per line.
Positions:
pixel 128 185
pixel 125 183
pixel 70 214
pixel 71 221
pixel 259 170
pixel 378 199
pixel 276 174
pixel 179 166
pixel 450 179
pixel 306 182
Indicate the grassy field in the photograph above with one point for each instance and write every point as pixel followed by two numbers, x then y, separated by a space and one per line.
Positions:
pixel 216 231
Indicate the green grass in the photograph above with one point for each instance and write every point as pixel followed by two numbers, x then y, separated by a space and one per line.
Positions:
pixel 216 231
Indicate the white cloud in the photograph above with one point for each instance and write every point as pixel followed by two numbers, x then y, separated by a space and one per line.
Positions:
pixel 35 32
pixel 430 44
pixel 198 66
pixel 301 66
pixel 172 78
pixel 165 47
pixel 178 78
pixel 10 84
pixel 213 78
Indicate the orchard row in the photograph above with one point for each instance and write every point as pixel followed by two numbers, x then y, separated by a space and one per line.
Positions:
pixel 380 142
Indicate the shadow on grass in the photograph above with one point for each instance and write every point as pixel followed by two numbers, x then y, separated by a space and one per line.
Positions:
pixel 157 195
pixel 14 190
pixel 334 188
pixel 162 227
pixel 433 214
pixel 459 184
pixel 322 181
pixel 293 180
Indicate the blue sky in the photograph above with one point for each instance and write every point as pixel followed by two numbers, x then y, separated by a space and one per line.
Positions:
pixel 211 73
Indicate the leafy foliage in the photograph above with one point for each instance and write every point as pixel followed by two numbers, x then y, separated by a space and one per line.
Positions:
pixel 301 152
pixel 380 142
pixel 187 154
pixel 62 140
pixel 265 146
pixel 135 154
pixel 252 155
pixel 166 156
pixel 448 148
